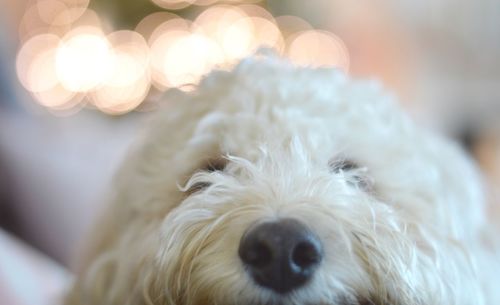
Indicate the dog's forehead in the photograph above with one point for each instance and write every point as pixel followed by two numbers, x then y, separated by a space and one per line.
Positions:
pixel 328 119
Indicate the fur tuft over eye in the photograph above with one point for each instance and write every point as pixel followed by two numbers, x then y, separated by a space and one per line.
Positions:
pixel 210 166
pixel 354 173
pixel 214 165
pixel 343 166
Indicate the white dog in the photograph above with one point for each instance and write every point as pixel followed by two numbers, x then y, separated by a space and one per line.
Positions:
pixel 272 184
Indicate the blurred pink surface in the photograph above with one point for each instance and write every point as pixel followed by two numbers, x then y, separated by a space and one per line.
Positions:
pixel 60 171
pixel 27 277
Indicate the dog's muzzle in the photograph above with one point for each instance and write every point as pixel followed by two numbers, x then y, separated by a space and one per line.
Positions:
pixel 280 255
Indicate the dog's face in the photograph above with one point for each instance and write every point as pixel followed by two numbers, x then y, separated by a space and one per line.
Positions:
pixel 276 185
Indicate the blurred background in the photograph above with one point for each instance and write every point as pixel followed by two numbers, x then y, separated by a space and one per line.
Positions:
pixel 79 77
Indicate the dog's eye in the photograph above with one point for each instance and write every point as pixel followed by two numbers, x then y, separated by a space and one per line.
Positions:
pixel 371 301
pixel 375 300
pixel 343 166
pixel 212 165
pixel 356 173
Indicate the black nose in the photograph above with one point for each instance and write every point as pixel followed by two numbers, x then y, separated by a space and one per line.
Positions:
pixel 281 255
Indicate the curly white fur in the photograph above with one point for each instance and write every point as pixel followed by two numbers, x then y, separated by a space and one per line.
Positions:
pixel 414 234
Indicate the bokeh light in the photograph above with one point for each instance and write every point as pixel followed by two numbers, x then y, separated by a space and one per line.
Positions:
pixel 266 34
pixel 190 57
pixel 31 24
pixel 129 79
pixel 70 55
pixel 173 4
pixel 36 63
pixel 289 25
pixel 159 49
pixel 215 21
pixel 83 59
pixel 121 99
pixel 318 48
pixel 58 98
pixel 59 12
pixel 171 25
pixel 253 10
pixel 236 39
pixel 149 24
pixel 130 58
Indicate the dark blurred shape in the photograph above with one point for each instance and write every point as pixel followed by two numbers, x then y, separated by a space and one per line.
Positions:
pixel 6 213
pixel 125 14
pixel 468 137
pixel 7 71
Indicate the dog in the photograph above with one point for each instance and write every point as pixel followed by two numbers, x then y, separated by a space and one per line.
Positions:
pixel 273 185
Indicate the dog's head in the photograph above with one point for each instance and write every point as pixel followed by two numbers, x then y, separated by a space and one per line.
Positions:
pixel 273 184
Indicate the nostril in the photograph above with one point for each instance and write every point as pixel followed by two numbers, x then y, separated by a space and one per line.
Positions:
pixel 306 254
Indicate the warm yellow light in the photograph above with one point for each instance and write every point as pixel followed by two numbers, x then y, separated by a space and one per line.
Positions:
pixel 117 71
pixel 129 60
pixel 171 25
pixel 31 24
pixel 121 99
pixel 188 58
pixel 253 10
pixel 240 31
pixel 266 34
pixel 159 49
pixel 74 18
pixel 127 69
pixel 35 63
pixel 61 12
pixel 37 60
pixel 319 48
pixel 129 80
pixel 290 25
pixel 227 26
pixel 237 40
pixel 41 72
pixel 210 2
pixel 57 98
pixel 83 59
pixel 49 9
pixel 77 3
pixel 150 23
pixel 205 2
pixel 173 4
pixel 57 17
pixel 214 21
pixel 242 1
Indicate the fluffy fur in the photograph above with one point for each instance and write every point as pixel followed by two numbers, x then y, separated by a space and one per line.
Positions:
pixel 407 227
